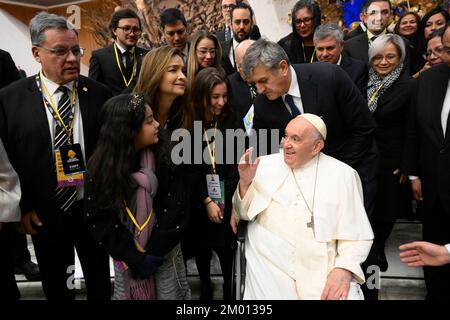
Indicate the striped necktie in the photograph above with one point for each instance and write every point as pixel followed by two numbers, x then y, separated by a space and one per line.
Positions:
pixel 65 197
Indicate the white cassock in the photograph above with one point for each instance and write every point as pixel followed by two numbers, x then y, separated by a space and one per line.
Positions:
pixel 9 189
pixel 285 258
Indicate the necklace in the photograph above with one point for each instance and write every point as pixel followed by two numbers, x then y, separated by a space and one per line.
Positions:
pixel 310 209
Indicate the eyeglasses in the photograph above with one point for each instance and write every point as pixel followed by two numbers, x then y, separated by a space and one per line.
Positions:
pixel 390 58
pixel 437 52
pixel 445 50
pixel 204 52
pixel 307 21
pixel 62 52
pixel 228 6
pixel 128 30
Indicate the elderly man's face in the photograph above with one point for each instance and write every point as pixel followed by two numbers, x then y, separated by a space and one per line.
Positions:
pixel 56 66
pixel 300 143
pixel 377 16
pixel 272 84
pixel 328 49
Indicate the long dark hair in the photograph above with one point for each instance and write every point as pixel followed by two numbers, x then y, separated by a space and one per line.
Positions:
pixel 200 95
pixel 114 158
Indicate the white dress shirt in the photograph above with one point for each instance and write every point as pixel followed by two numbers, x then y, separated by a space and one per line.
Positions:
pixel 294 91
pixel 232 50
pixel 78 136
pixel 122 51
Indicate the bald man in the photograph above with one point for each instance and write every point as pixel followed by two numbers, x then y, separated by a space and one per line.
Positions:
pixel 308 230
pixel 242 93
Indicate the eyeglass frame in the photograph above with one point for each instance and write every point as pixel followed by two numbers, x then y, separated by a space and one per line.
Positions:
pixel 228 6
pixel 65 50
pixel 437 52
pixel 137 31
pixel 298 22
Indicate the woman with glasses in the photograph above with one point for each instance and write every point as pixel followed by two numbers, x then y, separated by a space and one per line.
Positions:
pixel 434 51
pixel 204 52
pixel 299 44
pixel 389 93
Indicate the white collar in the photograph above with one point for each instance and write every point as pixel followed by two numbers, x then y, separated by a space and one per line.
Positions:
pixel 122 50
pixel 52 87
pixel 294 89
pixel 340 60
pixel 370 34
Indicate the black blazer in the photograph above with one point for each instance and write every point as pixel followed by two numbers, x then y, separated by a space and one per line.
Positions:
pixel 8 69
pixel 427 151
pixel 103 68
pixel 358 48
pixel 355 32
pixel 327 91
pixel 226 63
pixel 25 132
pixel 294 50
pixel 358 71
pixel 241 98
pixel 391 116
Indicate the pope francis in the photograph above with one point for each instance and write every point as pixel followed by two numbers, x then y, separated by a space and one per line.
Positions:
pixel 308 230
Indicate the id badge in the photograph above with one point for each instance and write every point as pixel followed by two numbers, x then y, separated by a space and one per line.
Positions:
pixel 216 189
pixel 70 166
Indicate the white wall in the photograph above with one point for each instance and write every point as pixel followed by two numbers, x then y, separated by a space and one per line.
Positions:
pixel 272 17
pixel 16 40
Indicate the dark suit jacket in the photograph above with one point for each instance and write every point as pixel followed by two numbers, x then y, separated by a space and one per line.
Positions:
pixel 427 151
pixel 358 71
pixel 391 116
pixel 226 63
pixel 327 91
pixel 241 98
pixel 358 48
pixel 103 68
pixel 294 50
pixel 355 32
pixel 8 69
pixel 25 133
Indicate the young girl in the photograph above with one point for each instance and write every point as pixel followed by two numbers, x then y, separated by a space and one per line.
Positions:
pixel 120 189
pixel 212 227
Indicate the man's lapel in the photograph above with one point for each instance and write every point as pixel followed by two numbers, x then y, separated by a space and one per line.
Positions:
pixel 308 92
pixel 38 112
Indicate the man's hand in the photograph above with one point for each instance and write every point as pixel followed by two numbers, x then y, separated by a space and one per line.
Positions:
pixel 234 221
pixel 416 186
pixel 421 253
pixel 247 171
pixel 27 220
pixel 338 285
pixel 215 214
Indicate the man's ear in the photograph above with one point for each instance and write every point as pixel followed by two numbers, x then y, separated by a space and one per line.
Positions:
pixel 284 67
pixel 36 52
pixel 318 146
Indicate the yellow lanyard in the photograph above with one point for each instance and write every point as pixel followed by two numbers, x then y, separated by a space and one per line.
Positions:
pixel 55 108
pixel 375 94
pixel 127 83
pixel 133 219
pixel 213 153
pixel 304 54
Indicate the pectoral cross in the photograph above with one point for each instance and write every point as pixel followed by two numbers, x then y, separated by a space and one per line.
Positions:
pixel 311 223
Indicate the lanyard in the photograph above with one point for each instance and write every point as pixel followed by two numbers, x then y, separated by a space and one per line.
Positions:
pixel 304 54
pixel 48 100
pixel 127 83
pixel 212 153
pixel 133 219
pixel 375 94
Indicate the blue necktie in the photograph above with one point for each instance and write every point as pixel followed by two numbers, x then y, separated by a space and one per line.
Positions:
pixel 290 101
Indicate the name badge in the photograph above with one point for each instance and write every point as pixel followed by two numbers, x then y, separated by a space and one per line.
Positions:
pixel 70 166
pixel 216 189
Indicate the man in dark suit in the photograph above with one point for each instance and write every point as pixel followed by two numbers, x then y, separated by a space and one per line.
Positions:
pixel 117 66
pixel 242 25
pixel 226 34
pixel 8 69
pixel 427 161
pixel 329 43
pixel 44 118
pixel 242 93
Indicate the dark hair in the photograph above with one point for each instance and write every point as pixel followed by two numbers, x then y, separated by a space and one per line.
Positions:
pixel 113 160
pixel 311 6
pixel 427 17
pixel 438 33
pixel 242 5
pixel 397 25
pixel 172 16
pixel 201 91
pixel 119 15
pixel 367 4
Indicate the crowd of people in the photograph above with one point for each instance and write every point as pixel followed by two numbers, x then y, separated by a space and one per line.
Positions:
pixel 320 141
